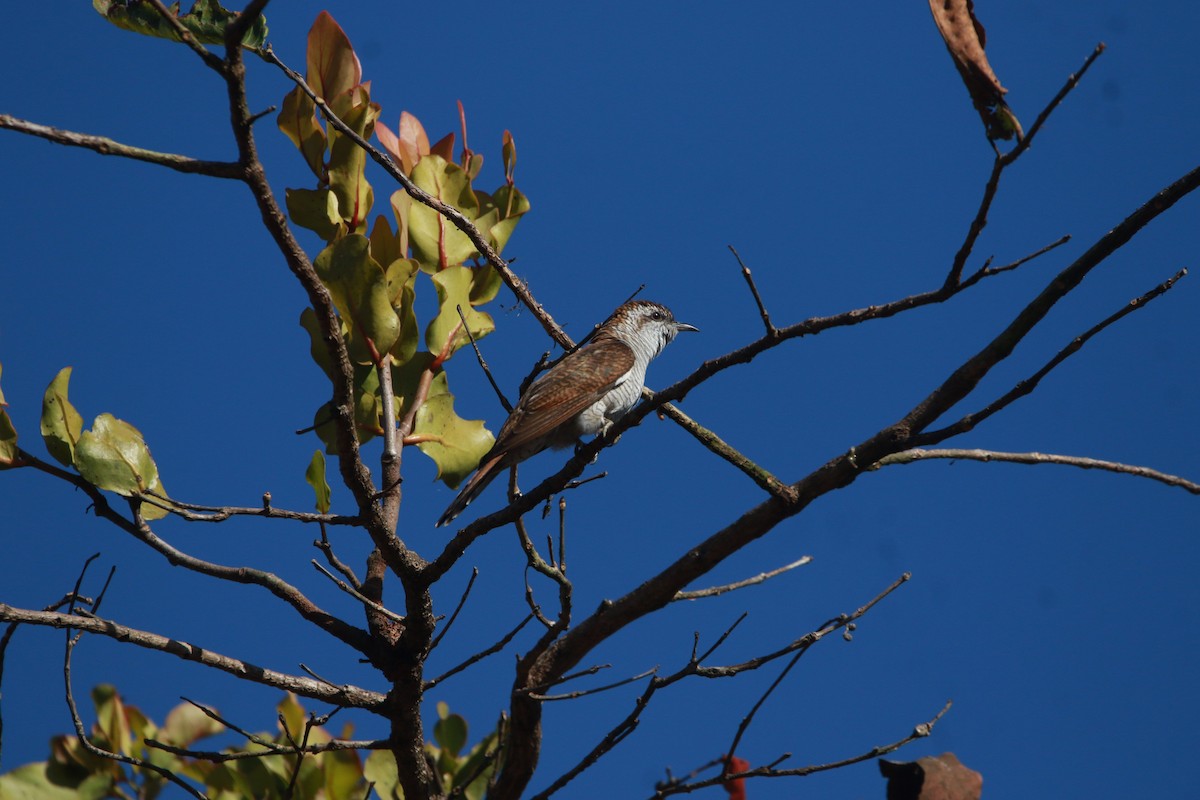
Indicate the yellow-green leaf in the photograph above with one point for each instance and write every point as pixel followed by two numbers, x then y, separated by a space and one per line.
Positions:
pixel 61 423
pixel 315 475
pixel 445 333
pixel 348 161
pixel 8 440
pixel 401 276
pixel 317 349
pixel 455 444
pixel 113 456
pixel 298 120
pixel 187 724
pixel 360 292
pixel 317 210
pixel 380 769
pixel 436 243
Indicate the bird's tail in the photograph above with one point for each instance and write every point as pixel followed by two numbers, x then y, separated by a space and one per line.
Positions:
pixel 470 490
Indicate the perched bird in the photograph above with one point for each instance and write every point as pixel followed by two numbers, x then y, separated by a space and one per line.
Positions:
pixel 582 395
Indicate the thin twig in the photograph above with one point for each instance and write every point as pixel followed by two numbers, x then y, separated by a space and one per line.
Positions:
pixel 482 654
pixel 713 591
pixel 1072 82
pixel 356 594
pixel 762 309
pixel 483 363
pixel 594 689
pixel 918 454
pixel 987 270
pixel 461 602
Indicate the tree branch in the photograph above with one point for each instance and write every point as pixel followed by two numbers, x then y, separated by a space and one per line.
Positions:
pixel 341 696
pixel 109 147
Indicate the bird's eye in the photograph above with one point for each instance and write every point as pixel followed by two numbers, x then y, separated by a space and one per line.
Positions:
pixel 657 316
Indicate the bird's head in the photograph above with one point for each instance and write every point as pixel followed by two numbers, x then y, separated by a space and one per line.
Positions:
pixel 645 326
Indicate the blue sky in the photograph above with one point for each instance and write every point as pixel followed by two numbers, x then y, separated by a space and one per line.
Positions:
pixel 839 153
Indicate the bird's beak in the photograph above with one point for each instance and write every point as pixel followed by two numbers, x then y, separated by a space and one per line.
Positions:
pixel 683 326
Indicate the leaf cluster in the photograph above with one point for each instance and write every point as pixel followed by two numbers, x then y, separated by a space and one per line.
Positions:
pixel 371 270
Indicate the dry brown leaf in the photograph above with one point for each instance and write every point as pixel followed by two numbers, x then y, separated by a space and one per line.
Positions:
pixel 965 39
pixel 931 778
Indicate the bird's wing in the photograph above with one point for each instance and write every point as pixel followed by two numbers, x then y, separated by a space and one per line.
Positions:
pixel 573 384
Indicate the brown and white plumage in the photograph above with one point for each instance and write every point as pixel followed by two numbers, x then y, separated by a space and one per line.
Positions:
pixel 581 395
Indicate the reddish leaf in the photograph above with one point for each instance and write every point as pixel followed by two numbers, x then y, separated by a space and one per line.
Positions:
pixel 412 137
pixel 444 147
pixel 737 786
pixel 965 39
pixel 332 65
pixel 931 778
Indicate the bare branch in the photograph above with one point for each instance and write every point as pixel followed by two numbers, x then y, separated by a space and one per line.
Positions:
pixel 482 654
pixel 762 309
pixel 274 749
pixel 1072 82
pixel 87 744
pixel 344 696
pixel 595 689
pixel 769 771
pixel 109 147
pixel 1027 386
pixel 355 637
pixel 998 165
pixel 918 454
pixel 987 270
pixel 357 595
pixel 199 513
pixel 713 591
pixel 483 364
pixel 461 602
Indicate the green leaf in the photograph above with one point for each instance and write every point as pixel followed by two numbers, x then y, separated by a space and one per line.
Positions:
pixel 113 456
pixel 451 733
pixel 206 21
pixel 436 243
pixel 315 475
pixel 380 769
pixel 298 121
pixel 360 292
pixel 445 333
pixel 61 423
pixel 317 210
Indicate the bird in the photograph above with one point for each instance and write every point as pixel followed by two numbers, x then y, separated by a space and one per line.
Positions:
pixel 582 395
